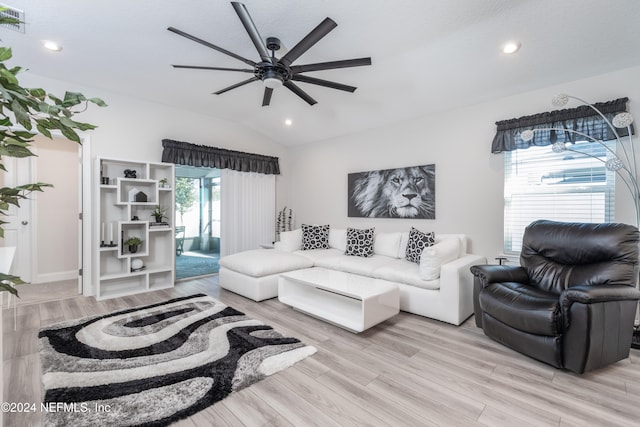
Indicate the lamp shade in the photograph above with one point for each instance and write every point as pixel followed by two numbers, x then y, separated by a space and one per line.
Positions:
pixel 622 120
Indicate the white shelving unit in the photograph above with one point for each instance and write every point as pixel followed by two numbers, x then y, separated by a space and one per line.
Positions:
pixel 123 207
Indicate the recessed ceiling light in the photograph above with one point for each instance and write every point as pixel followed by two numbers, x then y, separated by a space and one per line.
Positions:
pixel 511 47
pixel 51 45
pixel 288 122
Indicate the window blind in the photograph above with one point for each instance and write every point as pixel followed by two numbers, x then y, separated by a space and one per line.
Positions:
pixel 567 186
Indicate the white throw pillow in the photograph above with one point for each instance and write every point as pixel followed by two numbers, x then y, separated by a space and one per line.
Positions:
pixel 433 257
pixel 404 239
pixel 290 241
pixel 338 238
pixel 387 244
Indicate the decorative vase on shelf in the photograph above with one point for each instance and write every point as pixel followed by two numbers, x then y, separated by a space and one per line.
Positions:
pixel 133 249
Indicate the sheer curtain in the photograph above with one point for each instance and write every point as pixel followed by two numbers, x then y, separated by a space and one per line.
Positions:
pixel 247 201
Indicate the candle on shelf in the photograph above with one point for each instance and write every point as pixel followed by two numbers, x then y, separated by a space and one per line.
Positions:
pixel 102 233
pixel 110 232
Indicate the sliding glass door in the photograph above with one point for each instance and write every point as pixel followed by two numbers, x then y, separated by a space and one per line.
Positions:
pixel 197 221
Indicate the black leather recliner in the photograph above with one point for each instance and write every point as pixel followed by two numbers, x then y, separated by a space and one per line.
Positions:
pixel 572 302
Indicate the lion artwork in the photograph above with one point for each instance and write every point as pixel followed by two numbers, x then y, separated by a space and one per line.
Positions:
pixel 393 193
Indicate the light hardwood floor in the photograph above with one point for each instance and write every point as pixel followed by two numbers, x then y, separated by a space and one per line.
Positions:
pixel 409 370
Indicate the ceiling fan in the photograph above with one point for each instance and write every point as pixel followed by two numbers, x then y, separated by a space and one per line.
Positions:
pixel 274 72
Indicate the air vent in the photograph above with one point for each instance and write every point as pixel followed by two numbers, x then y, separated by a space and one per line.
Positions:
pixel 11 12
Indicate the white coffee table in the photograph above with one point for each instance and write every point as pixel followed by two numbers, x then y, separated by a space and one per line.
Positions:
pixel 350 301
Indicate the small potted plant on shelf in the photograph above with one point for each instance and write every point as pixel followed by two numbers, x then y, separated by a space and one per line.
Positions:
pixel 133 243
pixel 158 213
pixel 163 182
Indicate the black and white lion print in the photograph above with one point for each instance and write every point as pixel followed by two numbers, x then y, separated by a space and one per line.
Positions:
pixel 394 193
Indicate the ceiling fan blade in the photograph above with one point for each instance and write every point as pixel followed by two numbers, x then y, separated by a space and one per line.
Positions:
pixel 310 39
pixel 198 67
pixel 266 99
pixel 331 65
pixel 302 94
pixel 210 45
pixel 226 89
pixel 246 20
pixel 325 83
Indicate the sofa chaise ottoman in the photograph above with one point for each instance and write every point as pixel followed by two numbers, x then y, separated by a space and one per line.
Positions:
pixel 254 274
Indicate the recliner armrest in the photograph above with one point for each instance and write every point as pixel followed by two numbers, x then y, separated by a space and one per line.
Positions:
pixel 594 294
pixel 586 294
pixel 499 273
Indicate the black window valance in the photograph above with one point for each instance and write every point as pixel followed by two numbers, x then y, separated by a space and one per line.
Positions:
pixel 581 119
pixel 184 153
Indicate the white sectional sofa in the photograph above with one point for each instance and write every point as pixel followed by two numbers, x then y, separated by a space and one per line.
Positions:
pixel 440 287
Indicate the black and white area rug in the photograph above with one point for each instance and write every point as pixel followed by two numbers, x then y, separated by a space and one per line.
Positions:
pixel 153 365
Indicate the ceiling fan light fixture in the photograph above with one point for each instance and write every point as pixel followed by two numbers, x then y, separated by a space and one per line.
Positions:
pixel 272 82
pixel 272 79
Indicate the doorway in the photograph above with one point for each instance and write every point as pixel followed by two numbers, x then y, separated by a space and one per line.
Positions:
pixel 197 221
pixel 46 229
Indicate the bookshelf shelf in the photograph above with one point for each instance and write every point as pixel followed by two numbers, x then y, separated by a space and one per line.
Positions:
pixel 123 209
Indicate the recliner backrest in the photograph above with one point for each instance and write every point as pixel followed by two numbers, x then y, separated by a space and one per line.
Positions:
pixel 559 255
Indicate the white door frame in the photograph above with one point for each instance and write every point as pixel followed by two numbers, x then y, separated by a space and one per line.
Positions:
pixel 85 287
pixel 84 235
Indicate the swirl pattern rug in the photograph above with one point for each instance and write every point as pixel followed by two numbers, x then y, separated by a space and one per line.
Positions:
pixel 153 365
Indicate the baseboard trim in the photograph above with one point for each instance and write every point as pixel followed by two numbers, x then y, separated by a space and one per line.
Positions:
pixel 56 277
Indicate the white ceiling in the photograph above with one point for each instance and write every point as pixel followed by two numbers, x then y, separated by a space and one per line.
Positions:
pixel 428 55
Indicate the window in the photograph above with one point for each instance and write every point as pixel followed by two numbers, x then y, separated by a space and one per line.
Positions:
pixel 567 186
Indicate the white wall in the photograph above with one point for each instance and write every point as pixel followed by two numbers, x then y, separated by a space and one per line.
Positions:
pixel 469 179
pixel 56 210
